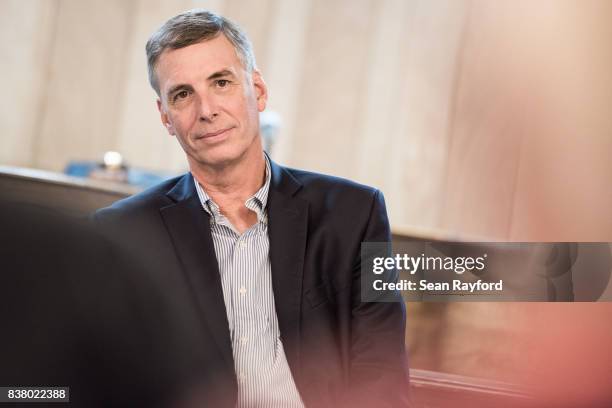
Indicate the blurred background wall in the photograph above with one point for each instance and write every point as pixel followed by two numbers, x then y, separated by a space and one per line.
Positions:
pixel 475 118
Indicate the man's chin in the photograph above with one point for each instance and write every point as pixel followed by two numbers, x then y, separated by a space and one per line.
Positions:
pixel 222 155
pixel 218 159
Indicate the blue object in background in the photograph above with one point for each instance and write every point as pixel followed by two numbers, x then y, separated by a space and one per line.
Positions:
pixel 80 168
pixel 135 177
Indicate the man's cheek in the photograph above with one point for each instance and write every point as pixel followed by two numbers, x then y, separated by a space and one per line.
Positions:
pixel 184 123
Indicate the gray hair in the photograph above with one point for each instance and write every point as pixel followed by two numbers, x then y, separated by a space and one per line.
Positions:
pixel 192 27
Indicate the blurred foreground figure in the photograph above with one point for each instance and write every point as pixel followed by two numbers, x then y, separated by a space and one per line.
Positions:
pixel 569 353
pixel 75 312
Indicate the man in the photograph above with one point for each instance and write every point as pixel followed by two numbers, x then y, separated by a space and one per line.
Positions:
pixel 269 256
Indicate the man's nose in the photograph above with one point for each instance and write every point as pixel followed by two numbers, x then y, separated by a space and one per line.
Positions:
pixel 207 108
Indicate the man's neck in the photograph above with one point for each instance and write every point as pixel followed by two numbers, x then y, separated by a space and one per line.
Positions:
pixel 233 184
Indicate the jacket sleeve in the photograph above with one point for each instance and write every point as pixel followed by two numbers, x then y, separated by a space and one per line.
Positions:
pixel 379 371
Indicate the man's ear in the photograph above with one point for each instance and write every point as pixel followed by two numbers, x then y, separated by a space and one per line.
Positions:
pixel 261 90
pixel 164 118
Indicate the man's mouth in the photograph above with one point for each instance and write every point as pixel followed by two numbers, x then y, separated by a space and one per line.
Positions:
pixel 212 134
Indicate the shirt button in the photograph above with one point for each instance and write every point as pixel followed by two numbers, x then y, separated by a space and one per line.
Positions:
pixel 244 340
pixel 242 291
pixel 241 377
pixel 243 244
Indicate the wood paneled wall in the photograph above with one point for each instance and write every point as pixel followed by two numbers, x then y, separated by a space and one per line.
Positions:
pixel 473 117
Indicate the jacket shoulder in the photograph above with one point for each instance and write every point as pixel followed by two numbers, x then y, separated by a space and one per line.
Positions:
pixel 335 196
pixel 332 184
pixel 150 199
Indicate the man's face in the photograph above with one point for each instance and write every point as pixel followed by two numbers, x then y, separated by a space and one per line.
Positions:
pixel 210 102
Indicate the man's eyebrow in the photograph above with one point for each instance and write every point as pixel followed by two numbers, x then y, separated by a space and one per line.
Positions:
pixel 178 87
pixel 221 74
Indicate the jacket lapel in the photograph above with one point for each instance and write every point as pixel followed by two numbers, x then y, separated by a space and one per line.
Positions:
pixel 288 228
pixel 189 227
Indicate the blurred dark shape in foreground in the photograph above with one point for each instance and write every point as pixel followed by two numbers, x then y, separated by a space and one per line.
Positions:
pixel 78 312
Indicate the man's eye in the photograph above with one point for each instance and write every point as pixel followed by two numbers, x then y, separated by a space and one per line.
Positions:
pixel 181 95
pixel 222 83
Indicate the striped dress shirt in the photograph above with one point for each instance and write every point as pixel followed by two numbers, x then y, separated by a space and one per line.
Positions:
pixel 264 377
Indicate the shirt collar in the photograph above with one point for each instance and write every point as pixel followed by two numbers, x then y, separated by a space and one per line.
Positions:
pixel 257 202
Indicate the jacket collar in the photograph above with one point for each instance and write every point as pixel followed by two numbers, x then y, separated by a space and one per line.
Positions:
pixel 283 181
pixel 183 190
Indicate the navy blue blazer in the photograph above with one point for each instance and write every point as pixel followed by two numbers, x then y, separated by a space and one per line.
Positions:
pixel 341 351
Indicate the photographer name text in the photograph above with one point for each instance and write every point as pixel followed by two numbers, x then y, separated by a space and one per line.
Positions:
pixel 424 285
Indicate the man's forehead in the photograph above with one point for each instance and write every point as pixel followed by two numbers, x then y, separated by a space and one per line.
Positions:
pixel 197 61
pixel 209 54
